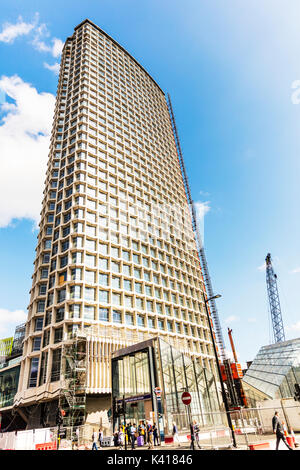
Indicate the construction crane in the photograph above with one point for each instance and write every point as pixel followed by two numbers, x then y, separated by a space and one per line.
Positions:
pixel 274 302
pixel 200 248
pixel 237 373
pixel 229 371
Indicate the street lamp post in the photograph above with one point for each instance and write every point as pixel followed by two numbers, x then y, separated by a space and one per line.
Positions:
pixel 218 367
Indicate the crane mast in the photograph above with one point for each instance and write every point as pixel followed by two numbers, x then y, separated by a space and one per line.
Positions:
pixel 200 248
pixel 274 302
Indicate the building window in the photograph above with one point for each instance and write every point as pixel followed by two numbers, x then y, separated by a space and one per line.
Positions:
pixel 39 324
pixel 59 314
pixel 61 295
pixel 129 319
pixel 138 287
pixel 44 273
pixel 58 334
pixel 75 292
pixel 36 345
pixel 116 299
pixel 74 310
pixel 56 359
pixel 43 369
pixel 103 314
pixel 89 312
pixel 149 306
pixel 127 285
pixel 103 296
pixel 117 316
pixel 41 306
pixel 89 293
pixel 34 366
pixel 103 279
pixel 42 289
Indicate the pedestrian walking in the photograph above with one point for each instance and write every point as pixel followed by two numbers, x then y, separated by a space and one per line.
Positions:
pixel 155 434
pixel 192 444
pixel 196 433
pixel 150 435
pixel 128 434
pixel 121 438
pixel 94 439
pixel 279 431
pixel 146 433
pixel 175 434
pixel 116 439
pixel 100 437
pixel 133 435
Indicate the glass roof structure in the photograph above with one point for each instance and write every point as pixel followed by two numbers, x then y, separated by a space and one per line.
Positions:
pixel 276 369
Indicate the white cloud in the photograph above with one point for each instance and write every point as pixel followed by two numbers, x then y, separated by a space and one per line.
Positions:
pixel 229 354
pixel 295 327
pixel 231 318
pixel 54 68
pixel 54 49
pixel 11 31
pixel 295 271
pixel 57 47
pixel 24 147
pixel 40 32
pixel 262 267
pixel 9 320
pixel 202 208
pixel 252 320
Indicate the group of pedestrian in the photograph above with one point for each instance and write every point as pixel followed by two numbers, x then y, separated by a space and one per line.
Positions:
pixel 97 437
pixel 195 434
pixel 145 433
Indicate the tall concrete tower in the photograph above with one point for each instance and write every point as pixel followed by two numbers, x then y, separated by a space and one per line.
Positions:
pixel 116 256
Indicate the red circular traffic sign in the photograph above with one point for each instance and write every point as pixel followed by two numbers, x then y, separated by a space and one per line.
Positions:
pixel 186 398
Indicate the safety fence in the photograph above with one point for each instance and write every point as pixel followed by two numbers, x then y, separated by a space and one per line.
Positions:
pixel 250 427
pixel 32 439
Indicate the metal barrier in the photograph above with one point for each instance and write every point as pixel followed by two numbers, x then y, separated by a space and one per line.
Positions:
pixel 252 428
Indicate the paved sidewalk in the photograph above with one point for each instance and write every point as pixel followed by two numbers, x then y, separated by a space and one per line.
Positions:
pixel 186 446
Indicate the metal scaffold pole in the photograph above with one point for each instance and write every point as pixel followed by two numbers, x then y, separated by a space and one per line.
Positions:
pixel 72 399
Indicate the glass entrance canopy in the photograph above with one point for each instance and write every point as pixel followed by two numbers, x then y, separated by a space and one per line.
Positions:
pixel 139 370
pixel 275 370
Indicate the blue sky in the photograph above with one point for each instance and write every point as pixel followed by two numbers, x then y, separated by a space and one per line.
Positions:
pixel 231 68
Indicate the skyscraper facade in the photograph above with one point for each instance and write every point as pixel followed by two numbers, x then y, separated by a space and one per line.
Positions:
pixel 116 254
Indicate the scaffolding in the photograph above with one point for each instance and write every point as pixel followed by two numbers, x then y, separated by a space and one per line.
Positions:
pixel 72 397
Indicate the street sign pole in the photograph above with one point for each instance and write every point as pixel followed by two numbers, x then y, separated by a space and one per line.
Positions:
pixel 157 392
pixel 186 400
pixel 124 410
